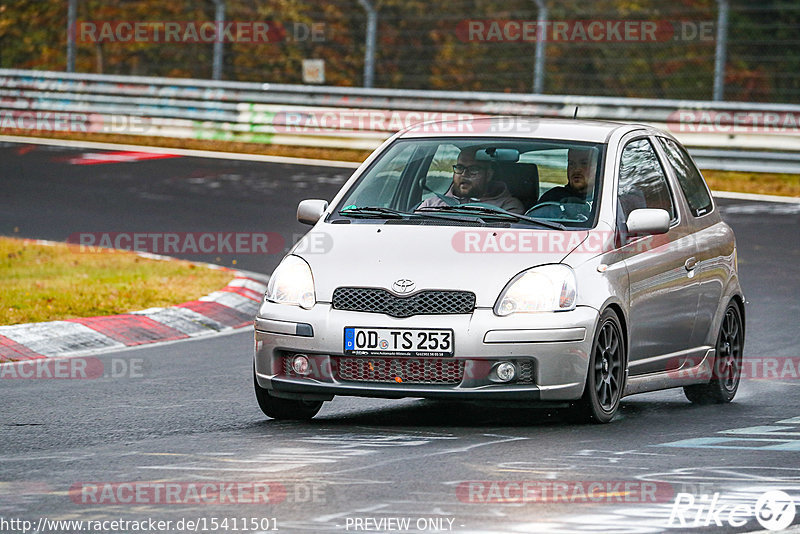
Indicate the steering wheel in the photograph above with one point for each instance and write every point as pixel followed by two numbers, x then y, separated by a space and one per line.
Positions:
pixel 571 207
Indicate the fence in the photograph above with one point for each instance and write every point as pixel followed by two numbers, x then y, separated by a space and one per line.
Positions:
pixel 736 50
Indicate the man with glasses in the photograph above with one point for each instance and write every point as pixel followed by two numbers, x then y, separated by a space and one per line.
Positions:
pixel 472 183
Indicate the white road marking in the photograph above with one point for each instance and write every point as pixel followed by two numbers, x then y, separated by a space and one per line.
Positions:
pixel 180 151
pixel 761 209
pixel 753 196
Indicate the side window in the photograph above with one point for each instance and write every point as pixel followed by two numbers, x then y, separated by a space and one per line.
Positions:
pixel 691 181
pixel 642 182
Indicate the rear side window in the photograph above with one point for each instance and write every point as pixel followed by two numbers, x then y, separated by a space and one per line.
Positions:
pixel 642 182
pixel 691 182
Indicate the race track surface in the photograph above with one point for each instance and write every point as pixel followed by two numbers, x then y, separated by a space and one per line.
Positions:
pixel 184 416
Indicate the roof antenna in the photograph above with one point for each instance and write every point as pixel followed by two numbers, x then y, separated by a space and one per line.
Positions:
pixel 575 115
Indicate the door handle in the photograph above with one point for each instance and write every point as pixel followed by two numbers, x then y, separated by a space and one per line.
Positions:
pixel 690 264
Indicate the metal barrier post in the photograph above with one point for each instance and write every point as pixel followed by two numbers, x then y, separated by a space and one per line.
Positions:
pixel 369 53
pixel 722 45
pixel 541 44
pixel 72 9
pixel 219 21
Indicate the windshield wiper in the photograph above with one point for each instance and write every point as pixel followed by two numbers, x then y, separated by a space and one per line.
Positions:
pixel 496 212
pixel 374 212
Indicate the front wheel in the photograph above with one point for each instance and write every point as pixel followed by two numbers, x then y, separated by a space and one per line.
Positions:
pixel 604 382
pixel 286 409
pixel 727 363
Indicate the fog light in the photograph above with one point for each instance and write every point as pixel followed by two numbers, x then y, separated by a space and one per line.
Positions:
pixel 506 371
pixel 300 364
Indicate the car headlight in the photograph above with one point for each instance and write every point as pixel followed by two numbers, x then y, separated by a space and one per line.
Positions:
pixel 545 288
pixel 292 283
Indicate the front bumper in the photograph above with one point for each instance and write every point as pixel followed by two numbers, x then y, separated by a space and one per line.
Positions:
pixel 553 346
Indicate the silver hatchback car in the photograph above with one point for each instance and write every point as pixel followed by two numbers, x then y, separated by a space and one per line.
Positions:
pixel 552 261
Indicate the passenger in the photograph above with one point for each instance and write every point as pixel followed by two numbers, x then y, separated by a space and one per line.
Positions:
pixel 581 170
pixel 473 182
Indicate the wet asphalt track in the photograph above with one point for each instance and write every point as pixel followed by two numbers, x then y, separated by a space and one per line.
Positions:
pixel 188 413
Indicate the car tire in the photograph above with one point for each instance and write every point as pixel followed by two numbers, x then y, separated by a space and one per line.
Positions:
pixel 285 409
pixel 605 379
pixel 727 362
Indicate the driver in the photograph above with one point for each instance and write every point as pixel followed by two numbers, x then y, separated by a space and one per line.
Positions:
pixel 473 182
pixel 581 170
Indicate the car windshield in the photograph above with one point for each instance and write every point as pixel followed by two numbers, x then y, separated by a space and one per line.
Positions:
pixel 526 182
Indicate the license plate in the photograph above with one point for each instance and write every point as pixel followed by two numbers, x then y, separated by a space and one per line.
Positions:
pixel 398 342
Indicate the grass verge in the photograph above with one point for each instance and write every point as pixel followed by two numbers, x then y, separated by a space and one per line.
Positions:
pixel 51 282
pixel 787 185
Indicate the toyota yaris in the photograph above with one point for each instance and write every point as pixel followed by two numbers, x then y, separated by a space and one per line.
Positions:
pixel 507 259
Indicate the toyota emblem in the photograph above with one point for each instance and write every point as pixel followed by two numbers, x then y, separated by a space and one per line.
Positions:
pixel 404 285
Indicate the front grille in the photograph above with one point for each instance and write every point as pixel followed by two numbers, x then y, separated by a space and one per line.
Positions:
pixel 525 372
pixel 287 366
pixel 375 300
pixel 409 370
pixel 399 370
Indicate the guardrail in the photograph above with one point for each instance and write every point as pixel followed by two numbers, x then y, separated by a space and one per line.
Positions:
pixel 344 117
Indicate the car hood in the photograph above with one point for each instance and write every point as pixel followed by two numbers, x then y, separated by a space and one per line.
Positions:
pixel 477 259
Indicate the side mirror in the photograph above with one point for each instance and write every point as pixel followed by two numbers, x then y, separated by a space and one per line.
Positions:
pixel 309 211
pixel 648 221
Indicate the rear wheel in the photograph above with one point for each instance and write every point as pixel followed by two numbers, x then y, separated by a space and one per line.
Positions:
pixel 286 409
pixel 727 363
pixel 604 382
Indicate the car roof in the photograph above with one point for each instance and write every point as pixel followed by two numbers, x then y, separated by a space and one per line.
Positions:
pixel 594 131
